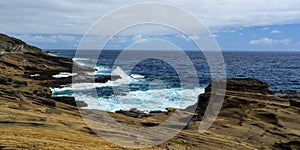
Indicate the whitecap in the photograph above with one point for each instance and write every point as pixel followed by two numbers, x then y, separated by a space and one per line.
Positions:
pixel 100 71
pixel 137 76
pixel 64 75
pixel 143 100
pixel 153 99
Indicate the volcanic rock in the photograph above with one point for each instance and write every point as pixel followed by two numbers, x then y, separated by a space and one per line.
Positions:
pixel 251 117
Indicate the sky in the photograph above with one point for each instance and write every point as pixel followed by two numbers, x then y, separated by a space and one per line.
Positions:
pixel 245 25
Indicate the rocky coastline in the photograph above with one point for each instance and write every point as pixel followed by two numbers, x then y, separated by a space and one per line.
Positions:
pixel 252 116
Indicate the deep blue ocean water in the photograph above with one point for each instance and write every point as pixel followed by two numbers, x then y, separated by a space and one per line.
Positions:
pixel 161 86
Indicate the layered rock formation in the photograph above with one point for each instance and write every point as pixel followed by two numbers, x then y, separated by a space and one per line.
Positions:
pixel 251 116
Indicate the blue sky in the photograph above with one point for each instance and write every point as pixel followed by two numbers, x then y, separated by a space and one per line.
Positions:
pixel 60 24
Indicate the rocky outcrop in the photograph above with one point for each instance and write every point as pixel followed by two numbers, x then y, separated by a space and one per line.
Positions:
pixel 247 90
pixel 29 117
pixel 251 116
pixel 133 112
pixel 104 79
pixel 287 93
pixel 70 101
pixel 8 43
pixel 295 102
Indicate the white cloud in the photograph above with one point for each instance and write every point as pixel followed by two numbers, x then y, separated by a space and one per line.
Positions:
pixel 137 38
pixel 75 17
pixel 191 37
pixel 265 28
pixel 225 30
pixel 275 31
pixel 269 41
pixel 194 37
pixel 120 39
pixel 63 37
pixel 183 37
pixel 46 38
pixel 215 35
pixel 37 38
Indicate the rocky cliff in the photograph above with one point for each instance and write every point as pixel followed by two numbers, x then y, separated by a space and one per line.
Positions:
pixel 8 44
pixel 251 116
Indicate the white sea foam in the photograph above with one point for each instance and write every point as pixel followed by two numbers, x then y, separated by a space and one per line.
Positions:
pixel 137 76
pixel 102 68
pixel 157 99
pixel 53 54
pixel 124 80
pixel 35 75
pixel 153 99
pixel 82 86
pixel 64 75
pixel 120 72
pixel 81 61
pixel 144 100
pixel 100 71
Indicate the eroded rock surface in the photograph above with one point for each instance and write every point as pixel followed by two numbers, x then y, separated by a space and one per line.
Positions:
pixel 251 116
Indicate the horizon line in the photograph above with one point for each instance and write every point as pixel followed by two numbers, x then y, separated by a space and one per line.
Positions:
pixel 173 50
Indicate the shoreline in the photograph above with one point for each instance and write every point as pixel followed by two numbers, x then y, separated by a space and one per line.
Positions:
pixel 251 116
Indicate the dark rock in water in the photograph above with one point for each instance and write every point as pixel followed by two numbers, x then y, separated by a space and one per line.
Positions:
pixel 244 84
pixel 104 79
pixel 81 104
pixel 135 113
pixel 91 79
pixel 292 95
pixel 287 94
pixel 70 101
pixel 155 111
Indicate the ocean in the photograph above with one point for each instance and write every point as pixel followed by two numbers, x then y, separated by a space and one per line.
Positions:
pixel 155 84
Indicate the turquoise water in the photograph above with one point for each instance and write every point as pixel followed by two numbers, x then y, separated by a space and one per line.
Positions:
pixel 153 84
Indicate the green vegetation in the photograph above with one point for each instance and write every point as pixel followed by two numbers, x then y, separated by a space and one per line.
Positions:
pixel 8 49
pixel 23 91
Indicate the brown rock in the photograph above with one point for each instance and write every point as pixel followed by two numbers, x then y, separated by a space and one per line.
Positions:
pixel 251 116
